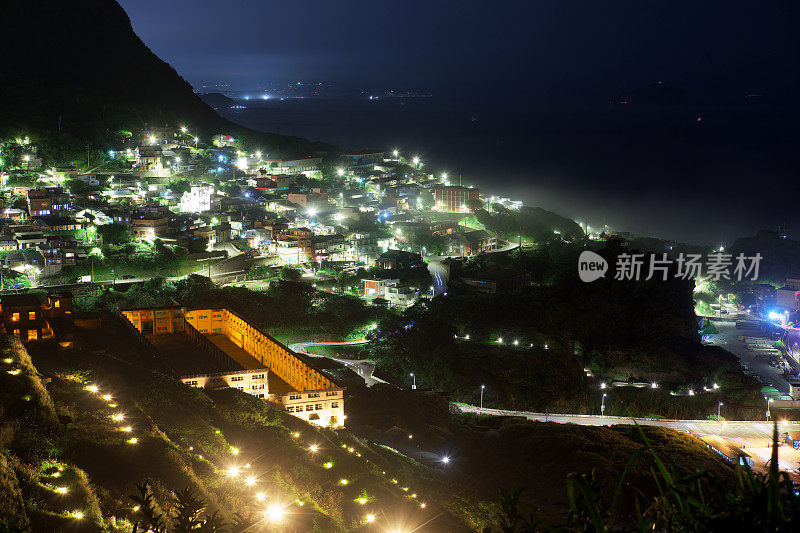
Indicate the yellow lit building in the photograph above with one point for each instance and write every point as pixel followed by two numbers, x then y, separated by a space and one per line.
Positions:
pixel 292 379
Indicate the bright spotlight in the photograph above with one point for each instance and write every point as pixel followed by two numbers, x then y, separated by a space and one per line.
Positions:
pixel 274 513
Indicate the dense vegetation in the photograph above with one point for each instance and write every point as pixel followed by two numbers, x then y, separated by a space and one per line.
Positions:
pixel 290 310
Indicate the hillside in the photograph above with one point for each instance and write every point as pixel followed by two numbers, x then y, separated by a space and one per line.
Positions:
pixel 64 450
pixel 105 423
pixel 78 72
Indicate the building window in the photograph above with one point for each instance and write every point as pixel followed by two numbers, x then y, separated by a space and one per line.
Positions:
pixel 295 396
pixel 33 334
pixel 314 395
pixel 237 378
pixel 15 317
pixel 309 407
pixel 318 407
pixel 331 393
pixel 334 405
pixel 57 303
pixel 290 409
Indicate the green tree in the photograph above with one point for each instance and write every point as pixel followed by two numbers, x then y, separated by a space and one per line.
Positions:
pixel 114 233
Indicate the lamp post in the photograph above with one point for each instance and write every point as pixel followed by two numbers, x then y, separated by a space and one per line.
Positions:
pixel 414 384
pixel 719 407
pixel 603 405
pixel 769 401
pixel 482 387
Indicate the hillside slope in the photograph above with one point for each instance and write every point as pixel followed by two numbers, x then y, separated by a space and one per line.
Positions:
pixel 78 68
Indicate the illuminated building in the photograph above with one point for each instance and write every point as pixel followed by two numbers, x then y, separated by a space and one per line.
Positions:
pixel 47 201
pixel 250 381
pixel 295 245
pixel 150 222
pixel 292 380
pixel 363 158
pixel 149 159
pixel 198 199
pixel 28 316
pixel 293 166
pixel 454 198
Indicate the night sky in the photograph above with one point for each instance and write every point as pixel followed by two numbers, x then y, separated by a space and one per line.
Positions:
pixel 558 49
pixel 523 94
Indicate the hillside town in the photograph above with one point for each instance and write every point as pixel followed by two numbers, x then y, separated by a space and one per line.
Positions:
pixel 235 214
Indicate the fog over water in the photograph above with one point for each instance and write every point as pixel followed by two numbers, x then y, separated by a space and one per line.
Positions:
pixel 698 174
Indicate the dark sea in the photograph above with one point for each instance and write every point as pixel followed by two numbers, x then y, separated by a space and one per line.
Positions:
pixel 700 174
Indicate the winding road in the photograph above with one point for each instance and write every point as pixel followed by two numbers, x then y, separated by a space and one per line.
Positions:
pixel 362 367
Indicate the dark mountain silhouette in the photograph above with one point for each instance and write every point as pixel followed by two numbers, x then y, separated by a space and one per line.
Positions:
pixel 217 100
pixel 78 69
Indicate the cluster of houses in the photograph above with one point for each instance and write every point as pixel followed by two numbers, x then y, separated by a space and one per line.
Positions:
pixel 276 207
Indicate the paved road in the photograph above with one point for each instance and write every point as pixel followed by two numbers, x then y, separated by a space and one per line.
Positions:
pixel 729 429
pixel 362 367
pixel 728 338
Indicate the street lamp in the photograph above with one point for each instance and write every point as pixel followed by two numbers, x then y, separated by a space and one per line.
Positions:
pixel 413 385
pixel 482 387
pixel 603 405
pixel 719 407
pixel 769 401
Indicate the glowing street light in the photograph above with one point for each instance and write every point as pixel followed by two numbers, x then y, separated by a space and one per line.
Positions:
pixel 234 450
pixel 77 515
pixel 446 460
pixel 62 490
pixel 339 172
pixel 395 153
pixel 603 405
pixel 414 384
pixel 274 513
pixel 313 448
pixel 369 518
pixel 416 160
pixel 183 129
pixel 250 481
pixel 260 496
pixel 233 471
pixel 482 388
pixel 92 388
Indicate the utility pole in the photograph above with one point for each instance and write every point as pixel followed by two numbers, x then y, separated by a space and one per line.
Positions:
pixel 482 387
pixel 603 406
pixel 414 384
